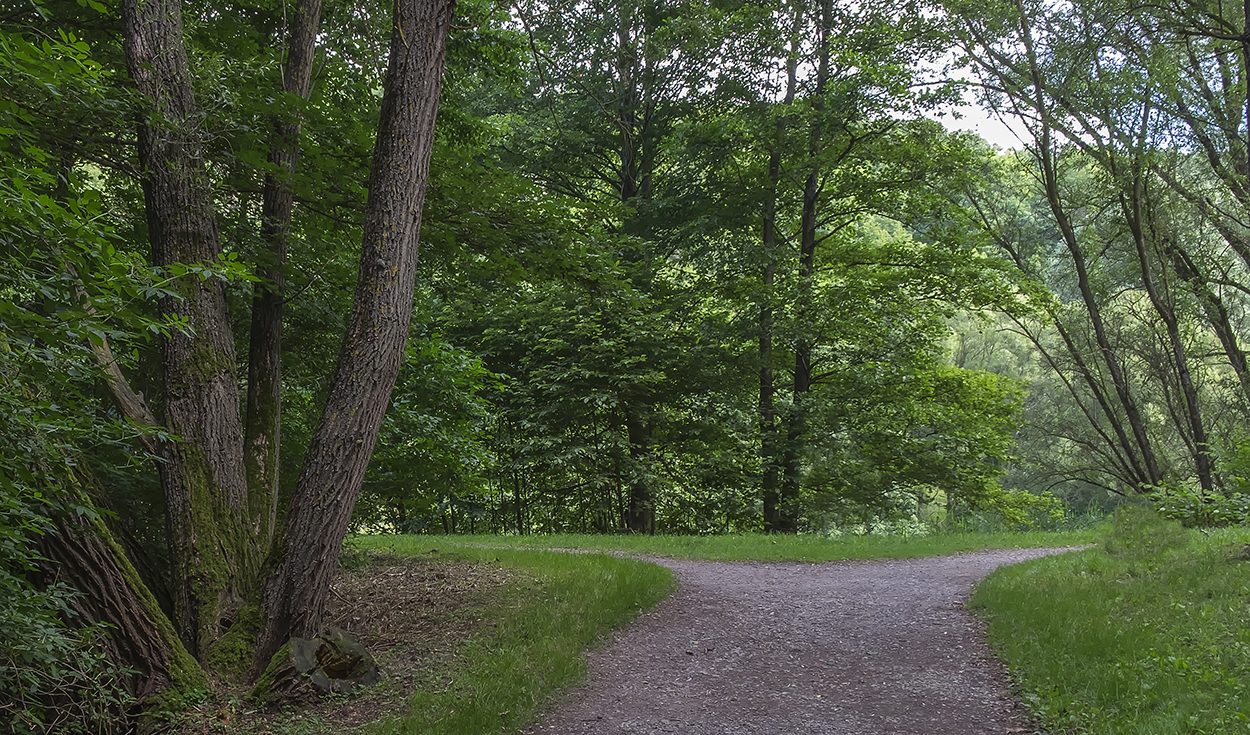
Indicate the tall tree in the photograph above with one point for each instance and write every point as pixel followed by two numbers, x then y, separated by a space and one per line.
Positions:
pixel 1103 143
pixel 614 80
pixel 202 472
pixel 373 350
pixel 262 439
pixel 220 478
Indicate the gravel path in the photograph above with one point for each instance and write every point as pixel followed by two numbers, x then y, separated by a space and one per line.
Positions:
pixel 847 648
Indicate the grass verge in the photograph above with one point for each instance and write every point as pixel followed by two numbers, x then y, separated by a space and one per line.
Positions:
pixel 1143 636
pixel 503 677
pixel 758 547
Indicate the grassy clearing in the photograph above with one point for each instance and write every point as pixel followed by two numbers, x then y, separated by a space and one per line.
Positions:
pixel 1144 636
pixel 541 629
pixel 752 547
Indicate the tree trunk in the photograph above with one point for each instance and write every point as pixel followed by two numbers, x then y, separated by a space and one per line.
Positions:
pixel 1134 211
pixel 641 514
pixel 373 350
pixel 797 423
pixel 1217 316
pixel 770 462
pixel 202 472
pixel 83 554
pixel 516 500
pixel 263 435
pixel 631 86
pixel 771 459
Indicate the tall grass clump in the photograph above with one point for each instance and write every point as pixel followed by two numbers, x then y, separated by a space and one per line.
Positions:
pixel 1142 636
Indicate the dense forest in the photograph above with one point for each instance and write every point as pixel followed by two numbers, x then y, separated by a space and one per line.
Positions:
pixel 684 268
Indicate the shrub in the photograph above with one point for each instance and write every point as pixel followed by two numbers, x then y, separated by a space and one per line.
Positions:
pixel 1201 510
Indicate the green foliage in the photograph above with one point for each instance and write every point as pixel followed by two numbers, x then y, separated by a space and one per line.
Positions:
pixel 1027 511
pixel 53 679
pixel 432 453
pixel 1195 509
pixel 913 429
pixel 1145 638
pixel 56 244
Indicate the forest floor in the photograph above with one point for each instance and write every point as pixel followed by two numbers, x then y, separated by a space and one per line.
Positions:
pixel 845 648
pixel 414 613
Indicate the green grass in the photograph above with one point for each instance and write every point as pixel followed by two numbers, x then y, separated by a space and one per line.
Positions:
pixel 1144 636
pixel 536 645
pixel 754 547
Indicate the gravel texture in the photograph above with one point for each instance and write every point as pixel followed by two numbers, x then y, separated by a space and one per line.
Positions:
pixel 852 648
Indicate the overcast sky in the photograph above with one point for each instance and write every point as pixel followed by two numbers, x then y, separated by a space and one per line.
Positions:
pixel 973 117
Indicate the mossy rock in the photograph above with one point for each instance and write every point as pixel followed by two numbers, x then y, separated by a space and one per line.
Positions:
pixel 305 668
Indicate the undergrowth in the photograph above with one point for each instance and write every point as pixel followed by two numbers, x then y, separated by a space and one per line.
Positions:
pixel 760 547
pixel 1143 636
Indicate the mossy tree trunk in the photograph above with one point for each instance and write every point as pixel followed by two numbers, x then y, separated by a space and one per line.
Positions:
pixel 82 553
pixel 202 472
pixel 220 479
pixel 373 348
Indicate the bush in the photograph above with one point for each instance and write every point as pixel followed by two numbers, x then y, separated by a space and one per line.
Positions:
pixel 1025 511
pixel 54 677
pixel 1201 510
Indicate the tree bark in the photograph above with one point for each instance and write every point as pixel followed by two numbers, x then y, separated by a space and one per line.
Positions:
pixel 373 350
pixel 263 433
pixel 83 554
pixel 202 472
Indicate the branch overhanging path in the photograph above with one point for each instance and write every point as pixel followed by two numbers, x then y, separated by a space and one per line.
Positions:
pixel 843 648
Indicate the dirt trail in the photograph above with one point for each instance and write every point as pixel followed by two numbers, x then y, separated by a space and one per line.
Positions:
pixel 848 648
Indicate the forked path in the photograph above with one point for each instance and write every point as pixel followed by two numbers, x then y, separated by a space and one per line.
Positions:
pixel 846 648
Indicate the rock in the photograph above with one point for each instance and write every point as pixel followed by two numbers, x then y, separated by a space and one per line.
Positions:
pixel 332 663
